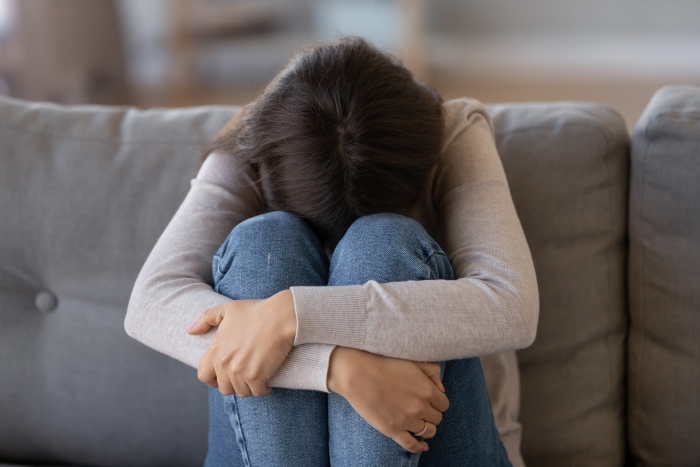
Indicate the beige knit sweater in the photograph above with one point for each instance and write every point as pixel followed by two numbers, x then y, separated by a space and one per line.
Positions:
pixel 488 311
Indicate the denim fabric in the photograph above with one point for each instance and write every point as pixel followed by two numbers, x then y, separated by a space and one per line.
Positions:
pixel 277 250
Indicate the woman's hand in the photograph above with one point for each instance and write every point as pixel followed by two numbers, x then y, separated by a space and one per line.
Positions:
pixel 253 339
pixel 397 397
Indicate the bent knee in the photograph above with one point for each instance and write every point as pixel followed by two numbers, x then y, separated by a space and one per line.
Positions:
pixel 387 248
pixel 270 223
pixel 386 232
pixel 385 227
pixel 269 231
pixel 268 253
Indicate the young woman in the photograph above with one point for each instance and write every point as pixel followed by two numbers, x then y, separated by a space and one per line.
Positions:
pixel 352 226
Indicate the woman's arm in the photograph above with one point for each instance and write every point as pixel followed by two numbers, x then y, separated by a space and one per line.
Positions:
pixel 493 305
pixel 172 288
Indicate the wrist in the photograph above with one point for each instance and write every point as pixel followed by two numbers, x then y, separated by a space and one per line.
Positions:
pixel 285 308
pixel 339 370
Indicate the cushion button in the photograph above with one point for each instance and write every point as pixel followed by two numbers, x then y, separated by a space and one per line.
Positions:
pixel 45 301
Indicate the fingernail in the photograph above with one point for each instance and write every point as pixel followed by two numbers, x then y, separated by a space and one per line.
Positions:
pixel 191 326
pixel 425 448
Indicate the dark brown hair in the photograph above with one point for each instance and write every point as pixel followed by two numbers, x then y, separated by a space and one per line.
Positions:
pixel 343 131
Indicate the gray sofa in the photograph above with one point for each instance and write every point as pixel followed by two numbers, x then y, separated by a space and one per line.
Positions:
pixel 613 377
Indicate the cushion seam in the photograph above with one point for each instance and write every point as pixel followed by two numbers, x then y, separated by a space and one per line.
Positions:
pixel 549 128
pixel 111 142
pixel 673 115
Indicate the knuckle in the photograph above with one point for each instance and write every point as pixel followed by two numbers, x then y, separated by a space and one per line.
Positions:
pixel 446 403
pixel 259 390
pixel 242 390
pixel 394 423
pixel 438 417
pixel 417 408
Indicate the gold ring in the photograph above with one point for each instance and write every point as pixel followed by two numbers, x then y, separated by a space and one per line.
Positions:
pixel 425 428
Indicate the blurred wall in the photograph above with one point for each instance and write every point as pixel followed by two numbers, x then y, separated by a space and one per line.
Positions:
pixel 557 16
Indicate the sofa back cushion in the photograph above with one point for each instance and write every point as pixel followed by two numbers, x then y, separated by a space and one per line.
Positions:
pixel 84 194
pixel 567 167
pixel 664 281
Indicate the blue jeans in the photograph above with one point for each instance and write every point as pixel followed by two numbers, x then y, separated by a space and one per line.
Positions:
pixel 275 251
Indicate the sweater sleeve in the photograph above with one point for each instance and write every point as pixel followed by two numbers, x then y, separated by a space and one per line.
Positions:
pixel 493 304
pixel 172 289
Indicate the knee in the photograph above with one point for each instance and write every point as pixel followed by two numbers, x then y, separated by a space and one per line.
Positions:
pixel 276 231
pixel 388 234
pixel 269 226
pixel 388 248
pixel 384 224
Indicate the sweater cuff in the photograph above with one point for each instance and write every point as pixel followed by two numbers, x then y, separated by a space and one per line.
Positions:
pixel 306 367
pixel 330 315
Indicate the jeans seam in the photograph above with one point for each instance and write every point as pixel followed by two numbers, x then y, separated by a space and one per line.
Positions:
pixel 238 428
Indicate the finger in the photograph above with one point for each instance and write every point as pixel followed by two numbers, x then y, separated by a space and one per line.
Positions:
pixel 210 318
pixel 242 388
pixel 432 371
pixel 206 372
pixel 432 415
pixel 225 386
pixel 430 429
pixel 409 442
pixel 440 401
pixel 259 388
pixel 430 432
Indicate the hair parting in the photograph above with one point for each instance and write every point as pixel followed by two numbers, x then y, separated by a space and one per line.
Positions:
pixel 343 131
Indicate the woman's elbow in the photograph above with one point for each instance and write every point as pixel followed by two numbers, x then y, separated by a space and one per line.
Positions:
pixel 529 310
pixel 130 325
pixel 133 323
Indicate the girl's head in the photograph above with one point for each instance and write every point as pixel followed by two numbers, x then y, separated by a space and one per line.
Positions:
pixel 343 131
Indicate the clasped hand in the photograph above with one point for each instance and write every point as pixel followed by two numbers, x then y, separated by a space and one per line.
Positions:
pixel 248 348
pixel 397 397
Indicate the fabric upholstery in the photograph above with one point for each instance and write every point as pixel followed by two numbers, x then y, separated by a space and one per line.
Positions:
pixel 567 167
pixel 664 281
pixel 84 194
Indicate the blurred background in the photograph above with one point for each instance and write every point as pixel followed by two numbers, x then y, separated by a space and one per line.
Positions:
pixel 189 52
